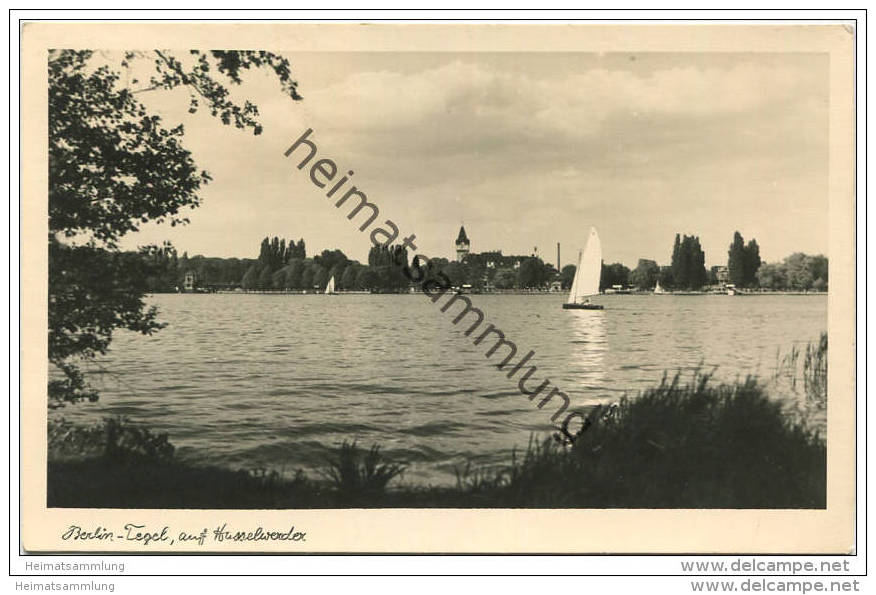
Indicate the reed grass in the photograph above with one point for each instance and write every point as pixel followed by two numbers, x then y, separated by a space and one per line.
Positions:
pixel 801 378
pixel 360 475
pixel 815 372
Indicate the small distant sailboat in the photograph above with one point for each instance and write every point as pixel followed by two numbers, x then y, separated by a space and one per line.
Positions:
pixel 587 276
pixel 658 290
pixel 330 288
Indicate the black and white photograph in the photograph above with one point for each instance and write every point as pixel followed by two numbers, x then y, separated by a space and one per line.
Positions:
pixel 439 277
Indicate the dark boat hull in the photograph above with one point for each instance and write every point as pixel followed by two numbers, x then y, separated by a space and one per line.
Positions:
pixel 582 307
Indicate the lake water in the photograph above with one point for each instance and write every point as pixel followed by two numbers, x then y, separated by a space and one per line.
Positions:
pixel 250 380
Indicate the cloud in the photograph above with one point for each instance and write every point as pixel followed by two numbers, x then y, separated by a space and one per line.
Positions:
pixel 454 105
pixel 469 121
pixel 526 150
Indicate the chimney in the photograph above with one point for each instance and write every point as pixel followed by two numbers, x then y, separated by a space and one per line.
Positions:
pixel 558 257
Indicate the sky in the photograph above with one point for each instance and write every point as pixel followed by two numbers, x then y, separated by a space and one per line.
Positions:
pixel 525 149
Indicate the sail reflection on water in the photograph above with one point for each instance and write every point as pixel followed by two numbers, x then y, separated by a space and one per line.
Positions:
pixel 589 346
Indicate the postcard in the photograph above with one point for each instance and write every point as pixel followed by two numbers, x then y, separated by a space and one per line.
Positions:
pixel 437 288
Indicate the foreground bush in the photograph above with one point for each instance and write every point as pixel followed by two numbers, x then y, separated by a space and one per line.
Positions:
pixel 691 446
pixel 114 438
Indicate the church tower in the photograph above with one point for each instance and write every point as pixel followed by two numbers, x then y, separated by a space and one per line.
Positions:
pixel 462 244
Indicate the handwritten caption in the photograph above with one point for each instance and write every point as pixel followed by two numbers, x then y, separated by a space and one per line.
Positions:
pixel 148 536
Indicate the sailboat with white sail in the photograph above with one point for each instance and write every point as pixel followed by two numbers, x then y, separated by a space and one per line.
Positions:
pixel 587 276
pixel 330 288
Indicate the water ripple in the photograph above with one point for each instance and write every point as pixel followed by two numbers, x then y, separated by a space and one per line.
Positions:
pixel 278 381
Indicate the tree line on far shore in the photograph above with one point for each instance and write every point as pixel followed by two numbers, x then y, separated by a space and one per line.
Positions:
pixel 686 271
pixel 744 269
pixel 797 272
pixel 296 272
pixel 285 266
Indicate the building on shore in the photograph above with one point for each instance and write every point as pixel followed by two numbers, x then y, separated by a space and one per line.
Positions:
pixel 492 259
pixel 492 269
pixel 722 273
pixel 462 244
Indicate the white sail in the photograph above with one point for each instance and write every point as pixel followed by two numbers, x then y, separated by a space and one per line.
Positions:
pixel 330 288
pixel 573 293
pixel 589 270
